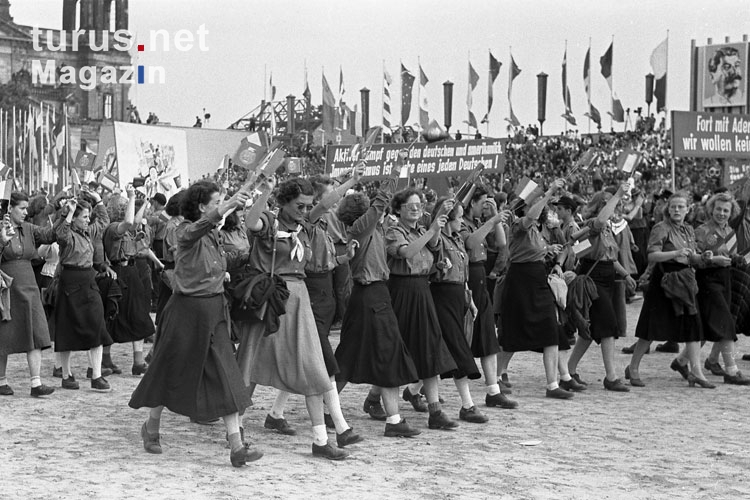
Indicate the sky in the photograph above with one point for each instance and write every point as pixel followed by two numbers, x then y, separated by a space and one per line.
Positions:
pixel 248 40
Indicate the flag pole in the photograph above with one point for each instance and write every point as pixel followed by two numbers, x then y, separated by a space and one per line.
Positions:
pixel 489 77
pixel 565 88
pixel 612 87
pixel 15 140
pixel 468 118
pixel 588 94
pixel 382 103
pixel 419 94
pixel 666 82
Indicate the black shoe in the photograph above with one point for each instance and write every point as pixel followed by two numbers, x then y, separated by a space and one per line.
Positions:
pixel 472 415
pixel 746 357
pixel 501 401
pixel 6 390
pixel 148 357
pixel 577 378
pixel 440 420
pixel 629 349
pixel 106 372
pixel 150 441
pixel 70 383
pixel 736 379
pixel 634 381
pixel 149 340
pixel 348 437
pixel 401 429
pixel 329 452
pixel 115 369
pixel 679 368
pixel 715 368
pixel 504 378
pixel 100 385
pixel 615 385
pixel 42 390
pixel 670 346
pixel 572 385
pixel 139 369
pixel 374 409
pixel 558 394
pixel 504 389
pixel 57 372
pixel 416 401
pixel 279 425
pixel 329 421
pixel 244 455
pixel 692 380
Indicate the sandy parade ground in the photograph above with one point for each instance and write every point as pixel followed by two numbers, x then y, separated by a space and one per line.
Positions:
pixel 664 441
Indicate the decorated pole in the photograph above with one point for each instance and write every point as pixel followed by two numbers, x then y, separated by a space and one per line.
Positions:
pixel 447 104
pixel 364 94
pixel 290 101
pixel 649 92
pixel 541 100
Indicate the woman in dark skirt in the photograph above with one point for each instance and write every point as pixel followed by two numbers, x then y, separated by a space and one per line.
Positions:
pixel 133 321
pixel 79 311
pixel 170 247
pixel 371 350
pixel 193 371
pixel 484 341
pixel 528 314
pixel 410 246
pixel 448 288
pixel 671 247
pixel 718 242
pixel 27 331
pixel 602 266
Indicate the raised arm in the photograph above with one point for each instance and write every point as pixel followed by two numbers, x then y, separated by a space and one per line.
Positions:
pixel 252 218
pixel 329 200
pixel 125 225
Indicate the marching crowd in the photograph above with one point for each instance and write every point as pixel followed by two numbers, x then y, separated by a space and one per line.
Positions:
pixel 247 288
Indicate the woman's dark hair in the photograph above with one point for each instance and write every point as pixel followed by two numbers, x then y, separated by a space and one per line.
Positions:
pixel 291 189
pixel 452 215
pixel 17 197
pixel 81 206
pixel 352 207
pixel 173 205
pixel 231 222
pixel 197 194
pixel 478 193
pixel 401 197
pixel 37 205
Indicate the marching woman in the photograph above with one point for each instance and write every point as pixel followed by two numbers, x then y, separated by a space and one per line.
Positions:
pixel 237 245
pixel 528 314
pixel 484 343
pixel 27 331
pixel 79 311
pixel 718 243
pixel 193 371
pixel 410 259
pixel 671 247
pixel 291 359
pixel 133 321
pixel 602 265
pixel 170 247
pixel 448 287
pixel 371 350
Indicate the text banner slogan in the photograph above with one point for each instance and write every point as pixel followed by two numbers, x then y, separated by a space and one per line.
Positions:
pixel 437 159
pixel 710 135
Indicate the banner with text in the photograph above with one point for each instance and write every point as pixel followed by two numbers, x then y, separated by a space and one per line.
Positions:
pixel 710 135
pixel 437 159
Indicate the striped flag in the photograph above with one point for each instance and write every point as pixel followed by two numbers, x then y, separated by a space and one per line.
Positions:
pixel 592 113
pixel 513 72
pixel 424 118
pixel 473 81
pixel 628 160
pixel 342 91
pixel 329 107
pixel 617 113
pixel 586 159
pixel 407 85
pixel 659 63
pixel 525 187
pixel 387 81
pixel 566 91
pixel 731 243
pixel 494 71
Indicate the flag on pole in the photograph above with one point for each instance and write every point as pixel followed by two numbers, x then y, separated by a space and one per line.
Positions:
pixel 586 159
pixel 494 71
pixel 628 160
pixel 582 248
pixel 85 160
pixel 273 87
pixel 566 91
pixel 617 113
pixel 424 118
pixel 525 187
pixel 387 81
pixel 473 81
pixel 306 93
pixel 341 86
pixel 250 150
pixel 407 85
pixel 659 64
pixel 513 72
pixel 329 107
pixel 592 113
pixel 6 188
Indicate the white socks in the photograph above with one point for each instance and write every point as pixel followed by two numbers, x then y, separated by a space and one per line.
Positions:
pixel 320 436
pixel 393 419
pixel 493 389
pixel 553 386
pixel 35 381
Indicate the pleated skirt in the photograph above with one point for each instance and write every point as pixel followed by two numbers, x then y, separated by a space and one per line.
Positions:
pixel 484 341
pixel 323 303
pixel 450 305
pixel 79 312
pixel 714 301
pixel 27 330
pixel 133 321
pixel 602 314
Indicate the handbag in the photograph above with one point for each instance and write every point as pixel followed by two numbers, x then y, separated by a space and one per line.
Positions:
pixel 49 293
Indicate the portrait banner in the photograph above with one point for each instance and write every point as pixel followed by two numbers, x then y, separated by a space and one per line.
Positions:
pixel 721 75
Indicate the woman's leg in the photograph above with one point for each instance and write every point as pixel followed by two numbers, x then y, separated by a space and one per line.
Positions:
pixel 608 356
pixel 550 366
pixel 154 420
pixel 635 362
pixel 138 353
pixel 726 347
pixel 693 351
pixel 3 369
pixel 95 360
pixel 462 386
pixel 332 402
pixel 562 364
pixel 34 360
pixel 65 363
pixel 582 345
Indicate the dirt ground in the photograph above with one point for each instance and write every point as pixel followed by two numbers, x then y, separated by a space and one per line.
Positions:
pixel 664 441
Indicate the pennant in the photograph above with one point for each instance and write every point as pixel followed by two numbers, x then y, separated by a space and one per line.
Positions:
pixel 387 81
pixel 581 248
pixel 493 73
pixel 329 105
pixel 566 91
pixel 74 179
pixel 466 191
pixel 628 160
pixel 659 64
pixel 525 187
pixel 586 159
pixel 592 113
pixel 407 85
pixel 513 72
pixel 424 119
pixel 473 80
pixel 341 86
pixel 273 87
pixel 617 114
pixel 306 93
pixel 251 150
pixel 6 188
pixel 606 63
pixel 85 161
